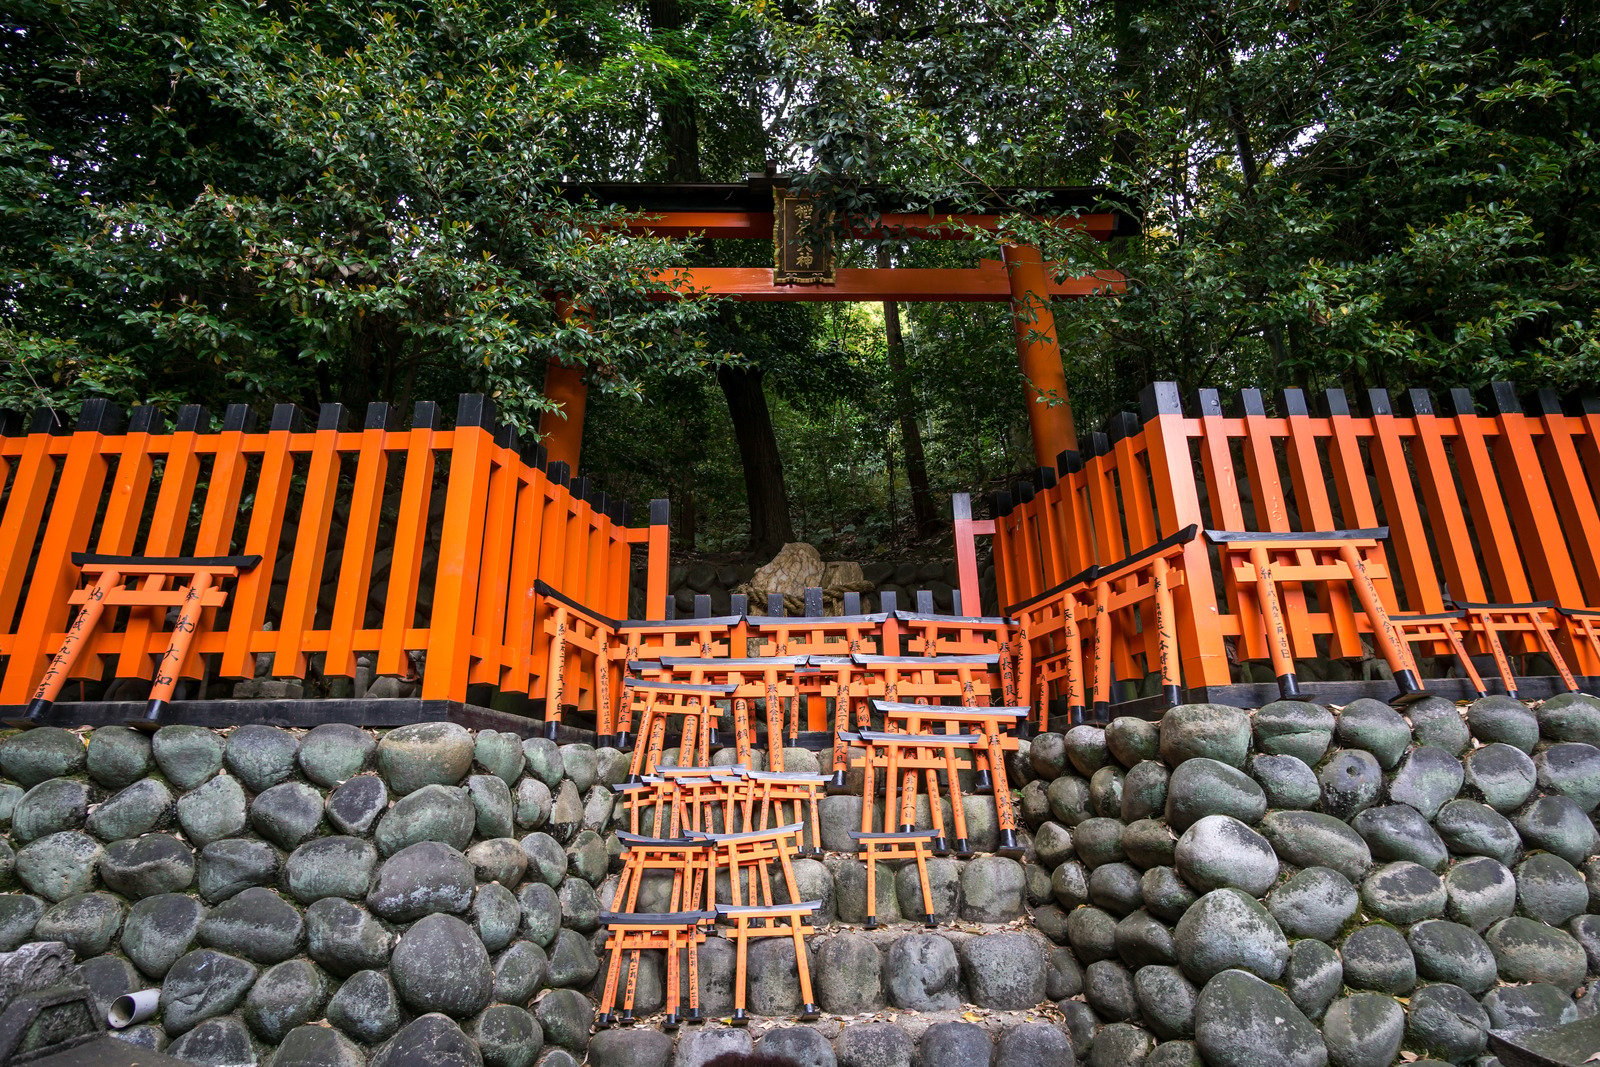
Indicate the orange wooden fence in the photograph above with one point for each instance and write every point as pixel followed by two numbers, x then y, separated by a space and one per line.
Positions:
pixel 382 541
pixel 1495 506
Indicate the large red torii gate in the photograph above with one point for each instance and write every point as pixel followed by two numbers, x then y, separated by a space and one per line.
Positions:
pixel 749 210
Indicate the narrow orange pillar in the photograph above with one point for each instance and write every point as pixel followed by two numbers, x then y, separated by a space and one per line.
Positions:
pixel 563 437
pixel 1039 354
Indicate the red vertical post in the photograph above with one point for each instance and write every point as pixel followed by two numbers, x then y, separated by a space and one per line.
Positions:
pixel 1039 354
pixel 562 431
pixel 460 552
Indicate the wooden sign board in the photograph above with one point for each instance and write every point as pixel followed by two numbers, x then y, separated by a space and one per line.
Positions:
pixel 802 242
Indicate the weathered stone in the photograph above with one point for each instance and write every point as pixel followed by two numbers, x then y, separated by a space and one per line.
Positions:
pixel 1166 896
pixel 1142 940
pixel 1080 1023
pixel 9 795
pixel 1087 749
pixel 438 965
pixel 1098 841
pixel 1446 1021
pixel 1376 957
pixel 543 760
pixel 1570 717
pixel 427 753
pixel 1219 851
pixel 147 866
pixel 1351 781
pixel 1063 977
pixel 572 960
pixel 1550 889
pixel 1166 1001
pixel 202 985
pixel 1144 790
pixel 944 885
pixel 1557 824
pixel 878 1044
pixel 260 756
pixel 344 938
pixel 1069 800
pixel 501 860
pixel 158 930
pixel 1572 770
pixel 287 814
pixel 1436 721
pixel 1480 892
pixel 1048 756
pixel 1132 740
pixel 500 754
pixel 187 755
pixel 1044 1045
pixel 520 972
pixel 286 996
pixel 567 1016
pixel 1105 792
pixel 1373 726
pixel 1175 1054
pixel 86 923
pixel 1004 970
pixel 229 866
pixel 256 924
pixel 1473 829
pixel 1226 929
pixel 429 813
pixel 1092 933
pixel 1399 832
pixel 59 865
pixel 547 860
pixel 600 810
pixel 333 753
pixel 331 867
pixel 1363 1030
pixel 140 808
pixel 1286 781
pixel 366 1006
pixel 1294 728
pixel 1316 902
pixel 422 879
pixel 432 1039
pixel 803 1046
pixel 1502 720
pixel 991 890
pixel 118 756
pixel 219 1042
pixel 41 754
pixel 1529 951
pixel 1202 786
pixel 1501 775
pixel 1148 843
pixel 1108 987
pixel 1116 888
pixel 1212 731
pixel 214 811
pixel 1313 977
pixel 1241 1021
pixel 1069 885
pixel 491 803
pixel 541 913
pixel 580 905
pixel 1403 893
pixel 50 807
pixel 18 913
pixel 108 978
pixel 496 916
pixel 317 1046
pixel 533 804
pixel 942 1045
pixel 1449 952
pixel 1427 779
pixel 1530 1007
pixel 1313 839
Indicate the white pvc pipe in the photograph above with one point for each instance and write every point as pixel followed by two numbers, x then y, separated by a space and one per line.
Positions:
pixel 131 1008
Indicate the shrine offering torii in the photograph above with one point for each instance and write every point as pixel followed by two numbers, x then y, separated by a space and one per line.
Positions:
pixel 764 207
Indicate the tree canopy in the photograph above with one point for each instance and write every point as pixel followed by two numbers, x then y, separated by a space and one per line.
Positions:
pixel 355 200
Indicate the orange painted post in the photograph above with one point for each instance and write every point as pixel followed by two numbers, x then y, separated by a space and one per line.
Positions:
pixel 1039 354
pixel 1202 651
pixel 967 529
pixel 552 561
pixel 67 529
pixel 460 551
pixel 562 432
pixel 658 561
pixel 1491 519
pixel 261 539
pixel 1310 486
pixel 410 537
pixel 310 545
pixel 1558 453
pixel 492 587
pixel 220 518
pixel 1446 516
pixel 19 530
pixel 1533 507
pixel 1407 534
pixel 360 542
pixel 168 524
pixel 78 634
pixel 171 662
pixel 522 611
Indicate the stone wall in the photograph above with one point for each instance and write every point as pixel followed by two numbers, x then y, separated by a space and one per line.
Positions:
pixel 1300 885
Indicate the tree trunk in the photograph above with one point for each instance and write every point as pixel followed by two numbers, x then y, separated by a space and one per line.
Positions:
pixel 922 510
pixel 770 525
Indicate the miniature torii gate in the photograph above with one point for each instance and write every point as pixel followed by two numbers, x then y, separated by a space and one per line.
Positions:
pixel 763 207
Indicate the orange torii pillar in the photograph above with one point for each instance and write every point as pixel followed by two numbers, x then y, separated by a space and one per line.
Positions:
pixel 1039 354
pixel 563 437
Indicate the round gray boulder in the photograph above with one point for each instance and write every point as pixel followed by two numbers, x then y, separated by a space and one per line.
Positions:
pixel 439 965
pixel 1316 902
pixel 1294 728
pixel 1241 1021
pixel 1479 892
pixel 1220 851
pixel 187 755
pixel 1499 719
pixel 334 752
pixel 1211 731
pixel 1403 893
pixel 1203 786
pixel 1226 929
pixel 922 973
pixel 427 753
pixel 1004 970
pixel 1375 727
pixel 1363 1030
pixel 260 756
pixel 1312 839
pixel 1501 775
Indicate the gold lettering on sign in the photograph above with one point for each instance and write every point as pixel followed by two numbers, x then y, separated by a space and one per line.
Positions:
pixel 801 245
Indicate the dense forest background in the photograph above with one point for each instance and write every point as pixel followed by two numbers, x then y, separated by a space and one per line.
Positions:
pixel 350 201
